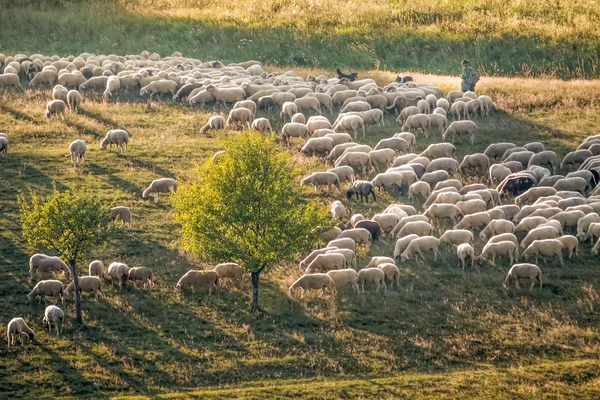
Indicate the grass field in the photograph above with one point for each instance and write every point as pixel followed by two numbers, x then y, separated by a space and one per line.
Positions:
pixel 502 38
pixel 443 333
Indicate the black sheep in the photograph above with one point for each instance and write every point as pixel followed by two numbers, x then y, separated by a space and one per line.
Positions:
pixel 362 190
pixel 516 184
pixel 372 226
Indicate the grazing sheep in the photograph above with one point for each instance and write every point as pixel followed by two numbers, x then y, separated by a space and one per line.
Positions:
pixel 43 263
pixel 419 245
pixel 143 274
pixel 465 251
pixel 197 279
pixel 497 227
pixel 289 109
pixel 47 77
pixel 231 271
pixel 299 118
pixel 91 284
pixel 344 173
pixel 388 180
pixel 584 223
pixel 410 138
pixel 418 121
pixel 4 146
pixel 308 103
pixel 247 104
pixel 402 244
pixel 344 277
pixel 56 107
pixel 497 150
pixel 568 219
pixel 419 189
pixel 337 210
pixel 396 144
pixel 162 185
pixel 262 125
pixel 534 193
pixel 239 117
pixel 575 157
pixel 54 318
pixel 372 275
pixel 571 243
pixel 118 273
pixel 376 261
pixel 293 130
pixel 322 179
pixel 460 128
pixel 359 235
pixel 123 213
pixel 574 183
pixel 267 103
pixel 439 212
pixel 539 233
pixel 471 206
pixel 52 288
pixel 350 122
pixel 77 151
pixel 318 145
pixel 433 178
pixel 476 220
pixel 200 98
pixel 478 160
pixel 455 237
pixel 304 263
pixel 112 85
pixel 215 122
pixel 362 190
pixel 226 94
pixel 545 248
pixel 118 137
pixel 344 243
pixel 348 254
pixel 439 150
pixel 96 268
pixel 59 92
pixel 498 249
pixel 326 262
pixel 524 271
pixel 456 184
pixel 313 282
pixel 17 328
pixel 391 272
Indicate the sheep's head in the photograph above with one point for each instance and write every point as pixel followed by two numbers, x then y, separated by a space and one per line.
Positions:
pixel 292 290
pixel 103 144
pixel 143 91
pixel 350 192
pixel 48 114
pixel 404 257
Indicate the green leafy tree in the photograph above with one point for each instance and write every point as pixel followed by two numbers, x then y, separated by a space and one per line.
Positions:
pixel 246 207
pixel 69 223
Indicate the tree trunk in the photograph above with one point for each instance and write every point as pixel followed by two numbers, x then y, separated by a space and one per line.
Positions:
pixel 255 279
pixel 77 294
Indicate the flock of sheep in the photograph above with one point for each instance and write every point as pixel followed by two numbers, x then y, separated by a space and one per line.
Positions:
pixel 553 211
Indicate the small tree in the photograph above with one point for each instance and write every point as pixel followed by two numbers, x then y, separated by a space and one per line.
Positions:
pixel 246 207
pixel 69 223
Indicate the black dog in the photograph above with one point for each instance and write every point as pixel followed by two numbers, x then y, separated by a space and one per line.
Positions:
pixel 351 77
pixel 407 78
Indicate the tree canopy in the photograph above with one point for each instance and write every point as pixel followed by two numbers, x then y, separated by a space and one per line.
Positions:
pixel 245 206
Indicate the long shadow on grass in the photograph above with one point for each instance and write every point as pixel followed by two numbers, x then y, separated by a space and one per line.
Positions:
pixel 114 180
pixel 19 114
pixel 100 118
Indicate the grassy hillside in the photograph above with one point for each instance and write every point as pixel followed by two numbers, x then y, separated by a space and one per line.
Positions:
pixel 441 320
pixel 527 38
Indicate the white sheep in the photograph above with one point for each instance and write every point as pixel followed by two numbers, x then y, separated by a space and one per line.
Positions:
pixel 418 121
pixel 215 122
pixel 391 272
pixel 344 173
pixel 539 233
pixel 262 125
pixel 359 235
pixel 524 271
pixel 52 288
pixel 419 245
pixel 54 318
pixel 118 137
pixel 294 130
pixel 396 144
pixel 123 213
pixel 322 179
pixel 497 227
pixel 318 145
pixel 545 248
pixel 4 145
pixel 584 223
pixel 239 117
pixel 91 284
pixel 460 128
pixel 455 237
pixel 343 243
pixel 337 210
pixel 77 151
pixel 198 279
pixel 350 122
pixel 226 94
pixel 313 282
pixel 112 85
pixel 143 274
pixel 231 271
pixel 439 212
pixel 289 109
pixel 419 189
pixel 162 185
pixel 465 251
pixel 344 277
pixel 248 104
pixel 59 92
pixel 570 243
pixel 56 107
pixel 118 273
pixel 498 249
pixel 358 160
pixel 299 118
pixel 476 220
pixel 96 268
pixel 372 275
pixel 39 263
pixel 17 328
pixel 326 262
pixel 308 103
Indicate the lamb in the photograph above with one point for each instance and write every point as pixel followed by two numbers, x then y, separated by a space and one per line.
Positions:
pixel 112 85
pixel 497 227
pixel 122 213
pixel 456 237
pixel 439 212
pixel 43 263
pixel 267 103
pixel 419 189
pixel 47 77
pixel 308 103
pixel 544 248
pixel 215 122
pixel 326 262
pixel 350 122
pixel 262 125
pixel 312 282
pixel 318 145
pixel 198 279
pixel 118 273
pixel 397 144
pixel 4 146
pixel 247 104
pixel 52 288
pixel 359 235
pixel 337 210
pixel 344 243
pixel 539 233
pixel 91 284
pixel 439 150
pixel 524 271
pixel 344 173
pixel 465 251
pixel 96 268
pixel 461 128
pixel 143 274
pixel 497 249
pixel 54 318
pixel 226 95
pixel 418 121
pixel 476 220
pixel 344 277
pixel 293 130
pixel 162 185
pixel 239 117
pixel 56 107
pixel 289 109
pixel 571 243
pixel 419 245
pixel 372 275
pixel 322 179
pixel 17 328
pixel 574 183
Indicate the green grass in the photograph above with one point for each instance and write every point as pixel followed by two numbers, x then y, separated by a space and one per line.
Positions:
pixel 444 332
pixel 502 38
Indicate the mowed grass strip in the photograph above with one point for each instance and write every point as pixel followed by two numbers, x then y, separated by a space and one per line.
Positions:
pixel 137 341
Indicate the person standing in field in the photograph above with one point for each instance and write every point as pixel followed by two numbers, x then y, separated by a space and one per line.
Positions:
pixel 469 77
